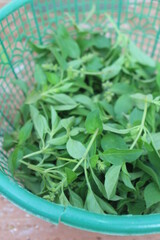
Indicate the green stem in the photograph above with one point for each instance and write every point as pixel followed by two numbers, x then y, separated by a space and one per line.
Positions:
pixel 119 131
pixel 35 153
pixel 87 150
pixel 32 154
pixel 113 24
pixel 51 90
pixel 72 21
pixel 145 81
pixel 67 159
pixel 141 126
pixel 57 167
pixel 36 169
pixel 86 175
pixel 79 163
pixel 61 184
pixel 88 73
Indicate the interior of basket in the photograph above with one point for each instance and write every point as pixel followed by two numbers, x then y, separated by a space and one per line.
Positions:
pixel 35 20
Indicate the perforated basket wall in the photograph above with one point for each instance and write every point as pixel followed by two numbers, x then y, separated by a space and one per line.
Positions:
pixel 33 19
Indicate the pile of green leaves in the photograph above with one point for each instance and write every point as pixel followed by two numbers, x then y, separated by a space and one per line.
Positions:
pixel 88 135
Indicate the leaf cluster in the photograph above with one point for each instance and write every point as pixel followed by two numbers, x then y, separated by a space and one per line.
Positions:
pixel 88 134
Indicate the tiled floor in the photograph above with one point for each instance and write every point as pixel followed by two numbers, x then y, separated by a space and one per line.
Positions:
pixel 16 224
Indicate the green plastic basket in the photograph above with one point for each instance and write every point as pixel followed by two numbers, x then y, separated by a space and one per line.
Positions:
pixel 32 19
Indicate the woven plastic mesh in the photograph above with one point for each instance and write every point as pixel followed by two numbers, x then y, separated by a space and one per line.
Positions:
pixel 33 19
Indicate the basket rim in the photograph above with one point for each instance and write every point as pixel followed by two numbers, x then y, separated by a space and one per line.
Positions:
pixel 11 7
pixel 79 218
pixel 75 217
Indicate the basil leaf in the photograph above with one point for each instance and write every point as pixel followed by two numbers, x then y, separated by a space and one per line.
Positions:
pixel 75 148
pixel 63 200
pixel 75 199
pixel 8 142
pixel 111 140
pixel 92 204
pixel 154 159
pixel 67 44
pixel 76 130
pixel 71 176
pixel 111 180
pixel 137 207
pixel 94 64
pixel 140 99
pixel 33 186
pixel 127 181
pixel 94 160
pixel 119 156
pixel 84 100
pixel 147 169
pixel 155 138
pixel 67 103
pixel 106 206
pixel 39 122
pixel 60 60
pixel 54 119
pixel 151 195
pixel 52 78
pixel 121 107
pixel 25 132
pixel 13 161
pixel 93 122
pixel 37 47
pixel 140 56
pixel 33 97
pixel 136 116
pixel 100 41
pixel 67 123
pixel 113 70
pixel 39 75
pixel 121 88
pixel 98 183
pixel 58 141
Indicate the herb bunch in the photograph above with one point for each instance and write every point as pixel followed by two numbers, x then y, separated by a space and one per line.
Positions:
pixel 88 134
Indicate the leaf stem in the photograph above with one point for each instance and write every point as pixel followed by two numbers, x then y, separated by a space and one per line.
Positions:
pixel 32 154
pixel 55 86
pixel 67 159
pixel 36 169
pixel 86 175
pixel 60 184
pixel 35 153
pixel 119 131
pixel 113 24
pixel 88 73
pixel 79 163
pixel 56 167
pixel 141 126
pixel 87 150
